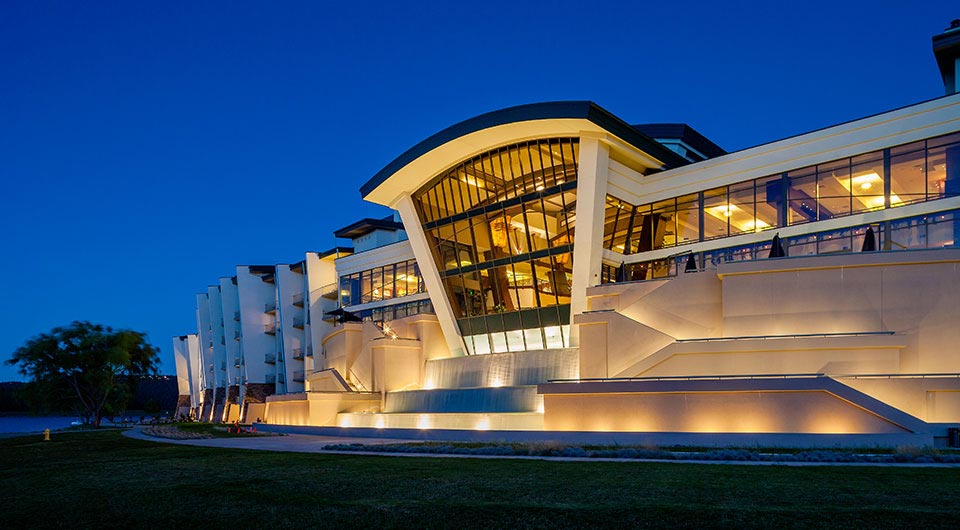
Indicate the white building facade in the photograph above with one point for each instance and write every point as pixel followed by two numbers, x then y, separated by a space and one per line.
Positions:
pixel 554 268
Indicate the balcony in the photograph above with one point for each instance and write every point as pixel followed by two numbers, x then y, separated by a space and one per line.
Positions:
pixel 298 376
pixel 309 351
pixel 223 366
pixel 270 379
pixel 236 316
pixel 281 378
pixel 270 358
pixel 298 299
pixel 297 354
pixel 329 291
pixel 270 307
pixel 236 335
pixel 236 362
pixel 298 322
pixel 270 329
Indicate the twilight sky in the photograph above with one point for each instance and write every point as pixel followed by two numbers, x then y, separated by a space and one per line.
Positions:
pixel 146 149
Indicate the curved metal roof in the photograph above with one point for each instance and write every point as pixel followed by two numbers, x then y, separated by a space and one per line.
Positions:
pixel 585 110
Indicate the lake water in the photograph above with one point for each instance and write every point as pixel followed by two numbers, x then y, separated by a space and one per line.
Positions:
pixel 14 424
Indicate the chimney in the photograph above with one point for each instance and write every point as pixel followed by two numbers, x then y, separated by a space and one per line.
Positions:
pixel 946 48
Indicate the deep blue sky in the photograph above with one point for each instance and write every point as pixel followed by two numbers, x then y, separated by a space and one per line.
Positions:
pixel 145 150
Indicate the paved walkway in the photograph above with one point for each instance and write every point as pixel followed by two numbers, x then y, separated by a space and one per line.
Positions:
pixel 295 443
pixel 302 443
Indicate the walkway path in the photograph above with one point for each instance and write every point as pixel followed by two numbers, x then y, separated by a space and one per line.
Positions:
pixel 295 443
pixel 302 443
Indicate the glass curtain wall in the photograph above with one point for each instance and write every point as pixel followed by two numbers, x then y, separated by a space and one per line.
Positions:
pixel 921 171
pixel 381 283
pixel 501 226
pixel 929 231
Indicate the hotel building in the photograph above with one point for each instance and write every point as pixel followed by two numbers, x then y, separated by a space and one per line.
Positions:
pixel 552 268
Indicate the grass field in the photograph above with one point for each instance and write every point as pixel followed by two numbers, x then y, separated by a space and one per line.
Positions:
pixel 101 479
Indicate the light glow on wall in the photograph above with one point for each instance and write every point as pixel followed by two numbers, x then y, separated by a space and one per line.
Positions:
pixel 423 421
pixel 483 424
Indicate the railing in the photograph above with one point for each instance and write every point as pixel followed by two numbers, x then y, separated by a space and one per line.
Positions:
pixel 297 354
pixel 687 378
pixel 792 336
pixel 298 299
pixel 270 358
pixel 328 291
pixel 356 381
pixel 269 307
pixel 933 375
pixel 298 322
pixel 270 329
pixel 898 376
pixel 298 376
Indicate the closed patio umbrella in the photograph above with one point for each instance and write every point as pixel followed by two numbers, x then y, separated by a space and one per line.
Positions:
pixel 691 264
pixel 776 247
pixel 869 241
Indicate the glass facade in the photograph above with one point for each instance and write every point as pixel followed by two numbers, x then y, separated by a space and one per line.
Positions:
pixel 501 226
pixel 381 283
pixel 889 178
pixel 393 312
pixel 929 231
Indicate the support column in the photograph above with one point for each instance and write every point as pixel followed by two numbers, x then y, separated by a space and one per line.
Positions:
pixel 588 241
pixel 430 273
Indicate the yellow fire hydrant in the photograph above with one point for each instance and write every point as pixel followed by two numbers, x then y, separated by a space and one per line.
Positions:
pixel 46 435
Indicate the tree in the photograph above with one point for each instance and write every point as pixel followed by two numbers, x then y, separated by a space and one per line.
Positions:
pixel 88 367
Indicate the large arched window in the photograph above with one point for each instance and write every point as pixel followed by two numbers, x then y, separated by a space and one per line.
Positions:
pixel 501 226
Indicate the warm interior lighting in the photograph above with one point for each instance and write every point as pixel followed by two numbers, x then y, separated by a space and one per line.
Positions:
pixel 483 424
pixel 738 218
pixel 864 182
pixel 471 181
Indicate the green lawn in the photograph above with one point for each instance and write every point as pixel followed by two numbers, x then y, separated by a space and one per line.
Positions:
pixel 101 479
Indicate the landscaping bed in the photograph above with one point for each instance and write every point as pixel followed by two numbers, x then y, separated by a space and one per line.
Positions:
pixel 902 455
pixel 200 431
